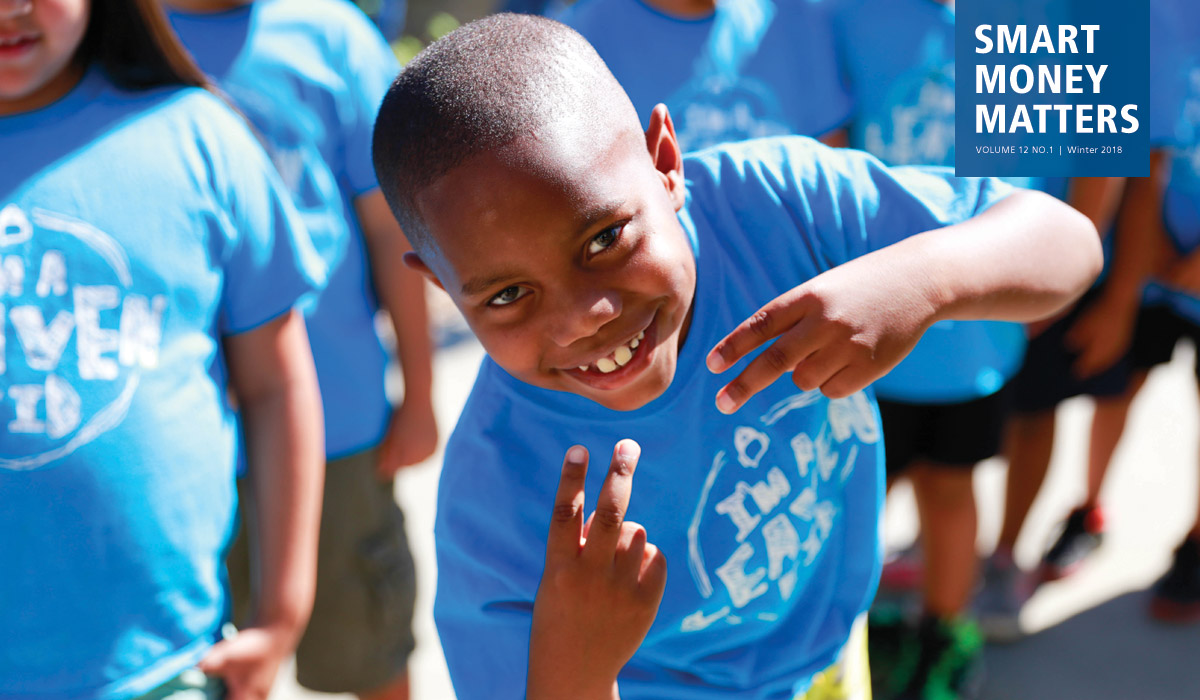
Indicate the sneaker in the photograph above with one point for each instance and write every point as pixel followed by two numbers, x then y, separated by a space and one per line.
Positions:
pixel 1177 593
pixel 890 638
pixel 1081 535
pixel 1005 590
pixel 943 662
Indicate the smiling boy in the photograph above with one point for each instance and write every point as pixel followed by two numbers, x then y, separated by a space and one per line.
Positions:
pixel 601 282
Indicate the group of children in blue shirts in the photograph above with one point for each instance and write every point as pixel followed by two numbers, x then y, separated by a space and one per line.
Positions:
pixel 630 299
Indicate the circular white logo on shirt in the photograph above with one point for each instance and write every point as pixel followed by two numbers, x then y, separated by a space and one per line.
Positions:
pixel 74 338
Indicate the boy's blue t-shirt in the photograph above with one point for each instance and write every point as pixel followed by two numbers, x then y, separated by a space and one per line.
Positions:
pixel 310 75
pixel 1175 127
pixel 768 518
pixel 753 68
pixel 897 61
pixel 138 229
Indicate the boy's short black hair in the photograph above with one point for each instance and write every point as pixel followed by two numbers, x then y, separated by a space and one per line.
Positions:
pixel 477 90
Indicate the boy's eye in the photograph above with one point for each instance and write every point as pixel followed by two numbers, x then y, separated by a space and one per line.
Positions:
pixel 603 240
pixel 507 296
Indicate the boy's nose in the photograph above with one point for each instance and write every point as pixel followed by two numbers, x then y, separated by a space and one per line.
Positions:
pixel 582 315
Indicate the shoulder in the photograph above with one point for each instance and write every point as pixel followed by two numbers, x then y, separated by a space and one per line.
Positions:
pixel 777 163
pixel 588 15
pixel 337 27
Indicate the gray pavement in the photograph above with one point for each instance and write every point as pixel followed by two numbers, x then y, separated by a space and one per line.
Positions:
pixel 1091 638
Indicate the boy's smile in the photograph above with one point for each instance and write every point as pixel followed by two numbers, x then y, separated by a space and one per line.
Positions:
pixel 564 252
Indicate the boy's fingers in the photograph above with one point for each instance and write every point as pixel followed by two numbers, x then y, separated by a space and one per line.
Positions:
pixel 630 551
pixel 566 522
pixel 781 356
pixel 766 323
pixel 613 501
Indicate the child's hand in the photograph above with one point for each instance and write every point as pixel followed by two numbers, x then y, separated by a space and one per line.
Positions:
pixel 248 661
pixel 838 332
pixel 601 587
pixel 1102 334
pixel 411 438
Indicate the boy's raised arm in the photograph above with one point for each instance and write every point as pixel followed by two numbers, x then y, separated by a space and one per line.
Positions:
pixel 1021 259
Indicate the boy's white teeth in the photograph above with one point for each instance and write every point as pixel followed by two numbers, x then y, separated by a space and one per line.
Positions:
pixel 619 357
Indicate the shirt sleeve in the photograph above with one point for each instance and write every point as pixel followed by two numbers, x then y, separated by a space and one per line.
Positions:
pixel 842 203
pixel 370 68
pixel 268 262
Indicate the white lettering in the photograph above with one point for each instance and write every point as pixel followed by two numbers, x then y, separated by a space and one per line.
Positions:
pixel 43 345
pixel 141 330
pixel 62 407
pixel 783 543
pixel 26 397
pixel 743 438
pixel 53 277
pixel 12 276
pixel 92 341
pixel 743 587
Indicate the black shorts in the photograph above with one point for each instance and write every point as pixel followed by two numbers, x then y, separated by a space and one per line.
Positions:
pixel 1158 330
pixel 1047 378
pixel 953 435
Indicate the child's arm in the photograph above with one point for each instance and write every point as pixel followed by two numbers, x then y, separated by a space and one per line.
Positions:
pixel 1096 198
pixel 412 433
pixel 271 372
pixel 1021 259
pixel 600 589
pixel 1104 331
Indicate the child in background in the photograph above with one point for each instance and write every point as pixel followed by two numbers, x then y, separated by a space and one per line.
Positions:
pixel 946 404
pixel 728 71
pixel 600 280
pixel 1159 243
pixel 151 260
pixel 943 408
pixel 310 74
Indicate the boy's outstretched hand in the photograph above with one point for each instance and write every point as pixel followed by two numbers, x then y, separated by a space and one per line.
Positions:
pixel 837 332
pixel 600 589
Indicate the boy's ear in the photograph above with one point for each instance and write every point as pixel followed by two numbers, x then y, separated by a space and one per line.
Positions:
pixel 414 262
pixel 665 154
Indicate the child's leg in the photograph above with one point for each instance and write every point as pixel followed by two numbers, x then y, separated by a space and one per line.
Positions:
pixel 1029 443
pixel 1108 424
pixel 946 507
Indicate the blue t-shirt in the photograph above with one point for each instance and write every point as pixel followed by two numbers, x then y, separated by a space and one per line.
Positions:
pixel 310 75
pixel 768 518
pixel 138 230
pixel 751 69
pixel 1175 127
pixel 897 60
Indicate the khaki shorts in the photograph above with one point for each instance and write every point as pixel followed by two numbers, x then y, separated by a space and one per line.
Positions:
pixel 360 634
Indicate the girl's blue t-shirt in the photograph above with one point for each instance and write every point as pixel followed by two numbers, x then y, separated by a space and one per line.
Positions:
pixel 897 62
pixel 136 231
pixel 768 518
pixel 752 68
pixel 1175 127
pixel 310 76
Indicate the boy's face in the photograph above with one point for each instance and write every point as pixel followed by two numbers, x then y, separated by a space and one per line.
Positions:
pixel 567 259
